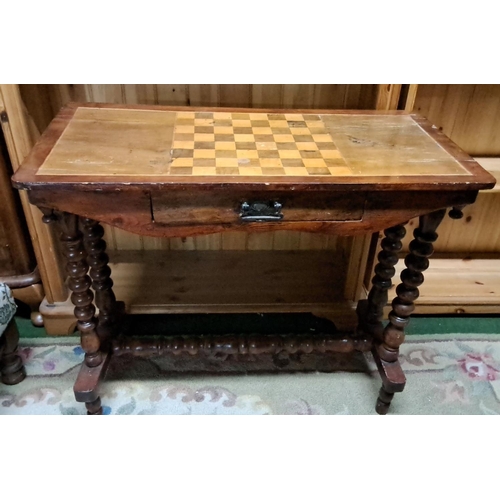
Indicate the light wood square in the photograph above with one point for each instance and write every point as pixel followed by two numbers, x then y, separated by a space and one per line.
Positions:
pixel 244 138
pixel 182 162
pixel 289 153
pixel 225 146
pixel 204 137
pixel 262 130
pixel 266 145
pixel 184 129
pixel 296 171
pixel 270 162
pixel 250 171
pixel 204 171
pixel 186 114
pixel 340 171
pixel 283 138
pixel 247 153
pixel 330 154
pixel 203 153
pixel 314 162
pixel 258 116
pixel 278 123
pixel 300 131
pixel 242 123
pixel 226 162
pixel 220 115
pixel 183 145
pixel 322 138
pixel 310 146
pixel 294 117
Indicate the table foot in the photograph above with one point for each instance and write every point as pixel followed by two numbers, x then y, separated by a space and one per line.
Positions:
pixel 12 368
pixel 383 401
pixel 87 385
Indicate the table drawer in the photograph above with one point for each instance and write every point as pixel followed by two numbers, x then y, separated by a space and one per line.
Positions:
pixel 183 208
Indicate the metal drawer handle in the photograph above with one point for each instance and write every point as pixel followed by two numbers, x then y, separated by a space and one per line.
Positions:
pixel 260 211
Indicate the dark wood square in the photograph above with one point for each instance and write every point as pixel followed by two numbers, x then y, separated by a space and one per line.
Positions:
pixel 181 171
pixel 296 124
pixel 276 116
pixel 204 114
pixel 204 162
pixel 268 153
pixel 227 171
pixel 224 137
pixel 182 153
pixel 273 171
pixel 184 137
pixel 292 162
pixel 222 153
pixel 241 116
pixel 281 130
pixel 245 145
pixel 286 145
pixel 223 123
pixel 202 129
pixel 264 138
pixel 310 154
pixel 259 123
pixel 204 145
pixel 242 130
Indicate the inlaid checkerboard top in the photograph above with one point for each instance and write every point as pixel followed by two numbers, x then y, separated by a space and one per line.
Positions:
pixel 115 141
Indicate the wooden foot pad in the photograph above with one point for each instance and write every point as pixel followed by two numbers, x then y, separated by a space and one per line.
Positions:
pixel 88 379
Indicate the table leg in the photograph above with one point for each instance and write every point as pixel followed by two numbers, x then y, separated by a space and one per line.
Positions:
pixel 11 364
pixel 386 350
pixel 100 273
pixel 82 297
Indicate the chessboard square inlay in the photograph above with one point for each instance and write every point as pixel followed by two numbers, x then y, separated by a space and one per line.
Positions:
pixel 273 171
pixel 204 171
pixel 248 162
pixel 276 116
pixel 204 162
pixel 262 130
pixel 181 171
pixel 204 137
pixel 224 137
pixel 204 153
pixel 259 123
pixel 203 129
pixel 310 154
pixel 240 116
pixel 225 145
pixel 247 153
pixel 330 153
pixel 242 123
pixel 286 146
pixel 183 145
pixel 227 170
pixel 250 171
pixel 246 145
pixel 268 153
pixel 278 124
pixel 290 153
pixel 244 138
pixel 296 171
pixel 202 122
pixel 226 162
pixel 264 138
pixel 270 162
pixel 185 114
pixel 182 162
pixel 335 163
pixel 204 145
pixel 294 117
pixel 303 138
pixel 242 130
pixel 223 123
pixel 223 130
pixel 318 170
pixel 283 138
pixel 322 138
pixel 182 153
pixel 292 162
pixel 314 162
pixel 221 153
pixel 311 146
pixel 266 145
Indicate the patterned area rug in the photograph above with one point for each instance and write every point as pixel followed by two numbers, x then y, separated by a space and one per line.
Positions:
pixel 459 376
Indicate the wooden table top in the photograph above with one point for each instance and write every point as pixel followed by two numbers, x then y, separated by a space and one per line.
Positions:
pixel 114 145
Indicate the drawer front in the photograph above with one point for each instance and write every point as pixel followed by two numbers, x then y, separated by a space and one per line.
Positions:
pixel 212 208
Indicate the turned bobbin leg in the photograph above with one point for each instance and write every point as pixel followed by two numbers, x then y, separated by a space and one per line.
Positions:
pixel 102 283
pixel 82 297
pixel 386 352
pixel 11 364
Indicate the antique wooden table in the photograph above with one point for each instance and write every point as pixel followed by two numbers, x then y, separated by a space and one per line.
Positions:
pixel 165 172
